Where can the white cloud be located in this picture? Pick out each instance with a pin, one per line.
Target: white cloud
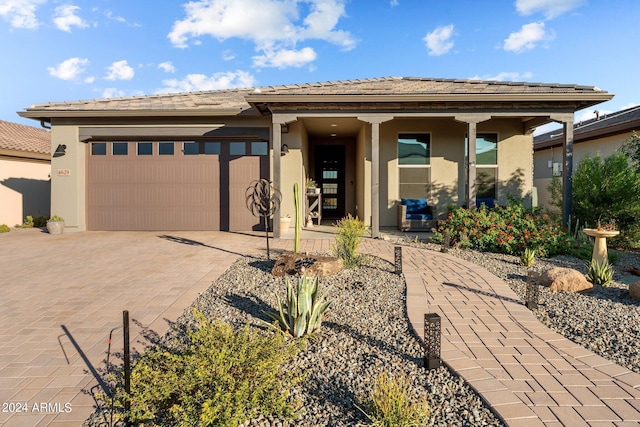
(394, 3)
(112, 92)
(69, 69)
(167, 67)
(89, 79)
(439, 40)
(217, 81)
(21, 13)
(550, 8)
(505, 76)
(109, 14)
(120, 70)
(65, 18)
(273, 25)
(527, 38)
(228, 55)
(285, 58)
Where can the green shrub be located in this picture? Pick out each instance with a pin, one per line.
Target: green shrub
(40, 221)
(28, 222)
(608, 189)
(56, 218)
(302, 313)
(217, 378)
(600, 273)
(389, 404)
(4, 228)
(507, 230)
(348, 238)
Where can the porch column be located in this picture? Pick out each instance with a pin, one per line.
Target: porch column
(375, 170)
(472, 126)
(567, 165)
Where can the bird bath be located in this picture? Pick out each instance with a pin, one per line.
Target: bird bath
(600, 245)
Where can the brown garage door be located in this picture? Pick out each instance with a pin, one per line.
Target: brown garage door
(167, 185)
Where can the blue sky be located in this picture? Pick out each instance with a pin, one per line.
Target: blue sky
(58, 50)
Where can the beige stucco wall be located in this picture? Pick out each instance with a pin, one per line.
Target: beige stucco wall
(543, 173)
(363, 174)
(24, 189)
(448, 173)
(293, 167)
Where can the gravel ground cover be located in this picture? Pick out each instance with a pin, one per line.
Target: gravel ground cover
(365, 331)
(605, 321)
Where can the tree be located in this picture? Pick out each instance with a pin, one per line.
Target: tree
(608, 189)
(631, 147)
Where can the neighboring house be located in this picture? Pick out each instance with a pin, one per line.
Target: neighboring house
(25, 168)
(604, 134)
(183, 161)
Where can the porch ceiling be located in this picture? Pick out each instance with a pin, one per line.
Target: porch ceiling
(339, 127)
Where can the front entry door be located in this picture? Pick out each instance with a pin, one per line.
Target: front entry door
(330, 177)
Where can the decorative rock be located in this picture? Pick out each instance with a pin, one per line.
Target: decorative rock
(634, 290)
(565, 279)
(290, 263)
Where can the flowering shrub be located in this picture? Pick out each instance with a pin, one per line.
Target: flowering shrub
(508, 230)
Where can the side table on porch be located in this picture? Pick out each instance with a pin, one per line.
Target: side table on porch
(314, 206)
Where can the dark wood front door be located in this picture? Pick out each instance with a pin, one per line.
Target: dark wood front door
(330, 160)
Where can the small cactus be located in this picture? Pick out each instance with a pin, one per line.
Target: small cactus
(600, 273)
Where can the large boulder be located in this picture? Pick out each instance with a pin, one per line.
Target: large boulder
(291, 263)
(565, 279)
(634, 290)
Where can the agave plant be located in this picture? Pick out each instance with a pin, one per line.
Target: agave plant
(600, 273)
(302, 312)
(528, 257)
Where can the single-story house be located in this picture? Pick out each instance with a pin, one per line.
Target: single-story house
(25, 168)
(183, 161)
(603, 134)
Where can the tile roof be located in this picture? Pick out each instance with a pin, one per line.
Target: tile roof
(623, 120)
(14, 136)
(235, 99)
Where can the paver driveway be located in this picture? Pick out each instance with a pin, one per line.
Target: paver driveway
(60, 296)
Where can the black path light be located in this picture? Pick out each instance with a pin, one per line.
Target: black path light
(533, 290)
(263, 200)
(397, 252)
(432, 340)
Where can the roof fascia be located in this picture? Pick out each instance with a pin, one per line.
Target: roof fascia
(48, 114)
(595, 97)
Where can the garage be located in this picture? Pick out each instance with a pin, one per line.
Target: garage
(172, 185)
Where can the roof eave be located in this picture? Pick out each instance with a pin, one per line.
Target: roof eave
(46, 115)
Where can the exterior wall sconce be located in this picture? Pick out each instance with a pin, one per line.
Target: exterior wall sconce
(284, 149)
(432, 340)
(397, 252)
(60, 150)
(532, 291)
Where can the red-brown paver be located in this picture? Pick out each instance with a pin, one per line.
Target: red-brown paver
(60, 296)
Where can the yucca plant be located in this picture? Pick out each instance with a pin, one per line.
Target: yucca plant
(389, 404)
(600, 273)
(302, 312)
(528, 257)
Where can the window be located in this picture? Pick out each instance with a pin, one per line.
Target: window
(165, 148)
(145, 148)
(237, 148)
(486, 165)
(208, 148)
(212, 148)
(98, 148)
(259, 148)
(120, 148)
(414, 170)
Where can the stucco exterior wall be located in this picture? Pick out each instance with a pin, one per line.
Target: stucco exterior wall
(68, 173)
(448, 169)
(293, 167)
(25, 189)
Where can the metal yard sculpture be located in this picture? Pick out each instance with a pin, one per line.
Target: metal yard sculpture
(263, 200)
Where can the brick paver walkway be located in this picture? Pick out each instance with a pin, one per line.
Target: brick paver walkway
(60, 296)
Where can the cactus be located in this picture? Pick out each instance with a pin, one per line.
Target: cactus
(302, 312)
(297, 224)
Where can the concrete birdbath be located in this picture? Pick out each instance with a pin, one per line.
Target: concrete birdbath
(600, 245)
